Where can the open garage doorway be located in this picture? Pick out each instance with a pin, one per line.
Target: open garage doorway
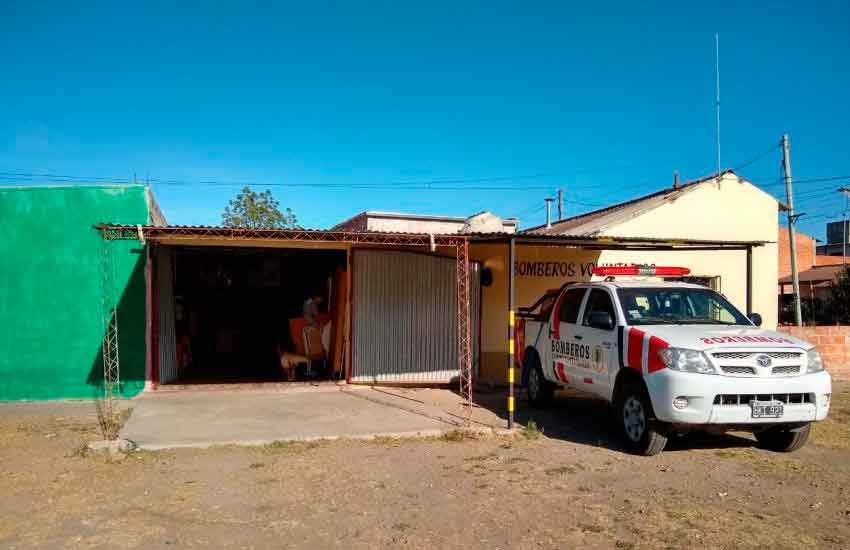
(228, 315)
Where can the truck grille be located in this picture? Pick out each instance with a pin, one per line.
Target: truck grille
(749, 354)
(748, 363)
(732, 355)
(786, 370)
(729, 369)
(735, 399)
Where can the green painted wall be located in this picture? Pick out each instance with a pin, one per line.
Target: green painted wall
(50, 290)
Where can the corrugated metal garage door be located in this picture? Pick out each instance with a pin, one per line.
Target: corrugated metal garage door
(165, 308)
(405, 326)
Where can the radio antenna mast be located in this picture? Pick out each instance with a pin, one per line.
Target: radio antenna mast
(717, 96)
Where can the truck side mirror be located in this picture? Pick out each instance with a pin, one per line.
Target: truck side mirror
(601, 320)
(756, 319)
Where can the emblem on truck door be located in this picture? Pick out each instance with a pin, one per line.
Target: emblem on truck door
(763, 361)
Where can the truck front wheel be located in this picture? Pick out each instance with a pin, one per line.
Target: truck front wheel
(638, 428)
(784, 440)
(540, 390)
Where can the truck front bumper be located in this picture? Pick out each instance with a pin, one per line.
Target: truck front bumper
(711, 399)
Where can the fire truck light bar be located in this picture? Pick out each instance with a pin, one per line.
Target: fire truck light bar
(613, 271)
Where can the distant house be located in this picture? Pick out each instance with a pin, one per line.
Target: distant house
(396, 222)
(837, 239)
(814, 281)
(808, 258)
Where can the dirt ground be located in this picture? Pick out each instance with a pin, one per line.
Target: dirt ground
(568, 488)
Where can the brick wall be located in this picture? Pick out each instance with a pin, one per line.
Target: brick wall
(831, 260)
(833, 343)
(805, 252)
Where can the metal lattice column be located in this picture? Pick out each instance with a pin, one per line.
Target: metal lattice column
(111, 363)
(464, 331)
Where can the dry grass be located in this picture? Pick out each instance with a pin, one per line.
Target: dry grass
(440, 492)
(687, 524)
(834, 432)
(768, 462)
(564, 470)
(292, 447)
(531, 430)
(456, 436)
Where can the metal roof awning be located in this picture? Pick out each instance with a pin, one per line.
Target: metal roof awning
(177, 233)
(605, 242)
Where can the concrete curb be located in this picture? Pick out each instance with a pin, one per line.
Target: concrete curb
(419, 434)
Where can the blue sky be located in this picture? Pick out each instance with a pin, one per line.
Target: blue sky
(356, 103)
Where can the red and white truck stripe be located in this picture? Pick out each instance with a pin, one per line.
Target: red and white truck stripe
(639, 350)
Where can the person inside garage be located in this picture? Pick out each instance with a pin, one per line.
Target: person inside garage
(311, 308)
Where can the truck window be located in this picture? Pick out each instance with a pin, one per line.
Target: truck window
(570, 305)
(678, 306)
(599, 300)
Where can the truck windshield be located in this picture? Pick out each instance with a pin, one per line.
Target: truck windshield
(678, 306)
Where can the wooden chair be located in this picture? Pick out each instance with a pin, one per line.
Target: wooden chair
(313, 349)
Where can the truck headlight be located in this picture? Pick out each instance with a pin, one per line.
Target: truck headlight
(686, 360)
(813, 361)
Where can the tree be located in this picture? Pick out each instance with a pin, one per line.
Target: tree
(839, 297)
(257, 210)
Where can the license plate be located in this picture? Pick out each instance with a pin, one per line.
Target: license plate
(766, 409)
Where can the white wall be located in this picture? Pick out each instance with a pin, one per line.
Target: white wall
(734, 211)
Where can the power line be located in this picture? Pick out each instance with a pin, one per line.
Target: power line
(437, 184)
(532, 209)
(756, 158)
(444, 184)
(774, 183)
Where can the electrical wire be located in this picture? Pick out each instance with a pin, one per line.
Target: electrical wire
(757, 157)
(444, 184)
(434, 185)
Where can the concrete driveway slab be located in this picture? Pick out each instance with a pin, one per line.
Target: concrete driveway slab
(202, 419)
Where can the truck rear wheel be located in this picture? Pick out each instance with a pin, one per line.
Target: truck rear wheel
(784, 440)
(638, 428)
(540, 390)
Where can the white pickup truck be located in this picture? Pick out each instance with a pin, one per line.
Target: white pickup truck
(671, 357)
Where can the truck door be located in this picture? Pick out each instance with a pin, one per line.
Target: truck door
(562, 335)
(598, 332)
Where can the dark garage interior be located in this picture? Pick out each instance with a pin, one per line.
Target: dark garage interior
(239, 314)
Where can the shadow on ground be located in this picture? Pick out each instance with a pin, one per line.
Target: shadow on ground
(577, 418)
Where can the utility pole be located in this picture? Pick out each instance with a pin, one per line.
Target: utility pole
(548, 212)
(560, 204)
(792, 219)
(846, 192)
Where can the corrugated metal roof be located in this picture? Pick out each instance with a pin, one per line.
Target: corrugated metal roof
(202, 228)
(818, 273)
(174, 233)
(331, 235)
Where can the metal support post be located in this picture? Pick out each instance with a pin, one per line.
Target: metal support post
(109, 345)
(511, 333)
(464, 332)
(749, 281)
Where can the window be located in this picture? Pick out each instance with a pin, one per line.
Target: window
(678, 306)
(570, 305)
(599, 300)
